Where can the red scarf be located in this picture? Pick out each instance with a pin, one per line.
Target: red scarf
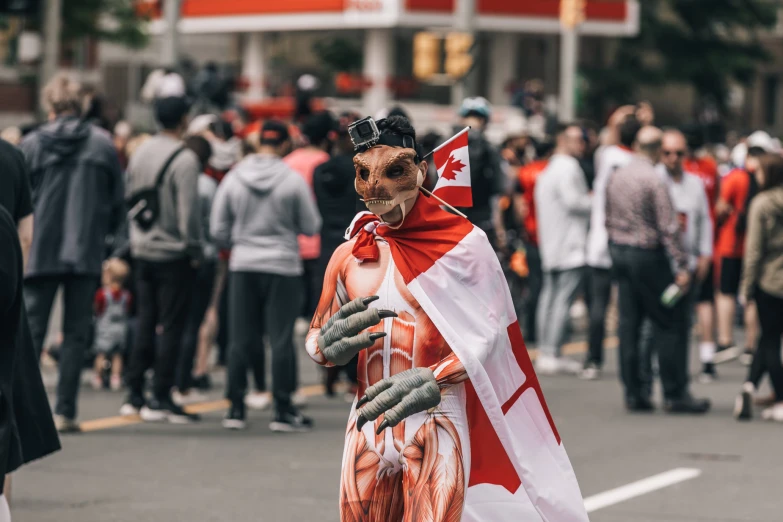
(427, 233)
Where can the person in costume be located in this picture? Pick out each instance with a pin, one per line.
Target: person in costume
(449, 423)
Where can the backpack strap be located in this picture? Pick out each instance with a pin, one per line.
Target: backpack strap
(162, 172)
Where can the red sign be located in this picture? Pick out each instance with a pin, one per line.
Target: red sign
(611, 10)
(252, 7)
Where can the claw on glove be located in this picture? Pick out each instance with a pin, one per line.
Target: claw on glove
(398, 397)
(344, 335)
(367, 300)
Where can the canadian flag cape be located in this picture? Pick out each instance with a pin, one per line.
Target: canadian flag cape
(519, 470)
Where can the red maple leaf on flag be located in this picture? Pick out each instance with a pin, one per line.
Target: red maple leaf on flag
(453, 165)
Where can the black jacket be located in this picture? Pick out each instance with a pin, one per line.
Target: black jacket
(14, 186)
(27, 430)
(77, 189)
(333, 183)
(487, 178)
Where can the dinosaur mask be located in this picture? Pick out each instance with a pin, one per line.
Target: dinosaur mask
(388, 180)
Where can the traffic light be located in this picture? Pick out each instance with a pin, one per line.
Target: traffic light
(426, 55)
(458, 58)
(572, 12)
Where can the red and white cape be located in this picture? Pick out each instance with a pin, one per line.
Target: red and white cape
(519, 469)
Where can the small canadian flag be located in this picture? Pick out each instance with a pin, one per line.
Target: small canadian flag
(453, 166)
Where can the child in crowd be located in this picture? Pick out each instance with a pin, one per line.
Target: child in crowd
(112, 305)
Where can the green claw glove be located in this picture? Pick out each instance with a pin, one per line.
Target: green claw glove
(340, 339)
(398, 397)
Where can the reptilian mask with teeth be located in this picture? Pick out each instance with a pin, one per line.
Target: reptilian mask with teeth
(387, 177)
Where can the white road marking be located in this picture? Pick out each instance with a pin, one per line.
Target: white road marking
(639, 488)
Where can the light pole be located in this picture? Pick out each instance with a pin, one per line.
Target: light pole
(572, 14)
(169, 55)
(569, 49)
(51, 36)
(464, 19)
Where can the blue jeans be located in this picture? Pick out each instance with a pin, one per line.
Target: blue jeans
(78, 293)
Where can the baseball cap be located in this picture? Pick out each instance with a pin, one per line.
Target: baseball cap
(273, 132)
(478, 105)
(762, 140)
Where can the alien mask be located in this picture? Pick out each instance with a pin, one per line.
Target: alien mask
(388, 181)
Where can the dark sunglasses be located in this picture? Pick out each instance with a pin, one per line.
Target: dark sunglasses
(679, 153)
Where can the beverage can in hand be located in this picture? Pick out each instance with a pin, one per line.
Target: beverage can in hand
(671, 296)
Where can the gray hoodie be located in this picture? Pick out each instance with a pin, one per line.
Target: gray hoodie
(177, 232)
(259, 208)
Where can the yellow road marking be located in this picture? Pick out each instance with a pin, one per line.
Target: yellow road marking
(119, 421)
(109, 422)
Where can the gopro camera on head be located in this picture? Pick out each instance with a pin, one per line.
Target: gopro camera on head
(364, 134)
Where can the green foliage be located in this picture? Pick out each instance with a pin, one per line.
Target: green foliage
(339, 54)
(704, 43)
(110, 20)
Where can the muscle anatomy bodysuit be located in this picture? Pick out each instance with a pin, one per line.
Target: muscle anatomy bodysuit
(422, 455)
(441, 431)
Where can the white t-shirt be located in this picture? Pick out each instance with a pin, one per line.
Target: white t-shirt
(689, 200)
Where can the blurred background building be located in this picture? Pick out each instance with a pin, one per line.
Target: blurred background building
(366, 53)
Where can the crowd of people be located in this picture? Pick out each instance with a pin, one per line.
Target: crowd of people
(216, 231)
(678, 228)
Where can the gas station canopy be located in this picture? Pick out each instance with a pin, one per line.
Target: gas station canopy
(603, 17)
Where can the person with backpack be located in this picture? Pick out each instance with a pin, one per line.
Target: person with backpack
(76, 183)
(165, 243)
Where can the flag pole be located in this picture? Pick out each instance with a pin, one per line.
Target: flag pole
(444, 143)
(431, 195)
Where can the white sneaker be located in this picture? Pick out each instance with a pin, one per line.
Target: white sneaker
(193, 396)
(591, 373)
(66, 425)
(547, 365)
(258, 400)
(729, 354)
(578, 309)
(128, 409)
(97, 381)
(148, 414)
(773, 413)
(299, 400)
(569, 366)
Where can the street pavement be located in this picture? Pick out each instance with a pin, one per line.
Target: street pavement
(714, 468)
